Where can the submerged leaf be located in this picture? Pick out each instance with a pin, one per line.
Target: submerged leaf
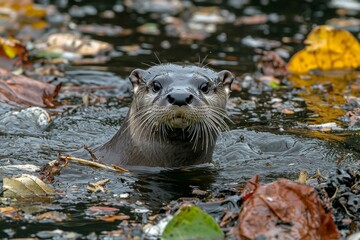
(190, 222)
(327, 48)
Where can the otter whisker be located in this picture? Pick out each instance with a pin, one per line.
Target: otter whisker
(213, 128)
(157, 58)
(147, 117)
(218, 121)
(203, 61)
(160, 63)
(146, 64)
(154, 63)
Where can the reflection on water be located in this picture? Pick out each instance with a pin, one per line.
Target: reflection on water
(325, 95)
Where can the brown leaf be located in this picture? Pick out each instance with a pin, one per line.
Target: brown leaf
(252, 20)
(50, 169)
(53, 216)
(113, 218)
(10, 212)
(100, 209)
(287, 111)
(272, 64)
(26, 91)
(285, 210)
(250, 188)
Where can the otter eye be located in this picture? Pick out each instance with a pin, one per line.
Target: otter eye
(205, 87)
(156, 86)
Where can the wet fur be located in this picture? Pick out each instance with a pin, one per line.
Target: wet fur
(146, 138)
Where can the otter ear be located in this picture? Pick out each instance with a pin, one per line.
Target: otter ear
(136, 78)
(226, 78)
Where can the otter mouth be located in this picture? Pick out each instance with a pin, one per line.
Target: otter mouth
(179, 120)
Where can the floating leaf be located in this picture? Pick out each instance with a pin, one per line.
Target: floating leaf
(190, 222)
(26, 186)
(327, 48)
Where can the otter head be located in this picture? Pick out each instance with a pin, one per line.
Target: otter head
(173, 101)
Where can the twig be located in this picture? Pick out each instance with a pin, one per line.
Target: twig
(119, 168)
(93, 156)
(90, 163)
(346, 210)
(333, 196)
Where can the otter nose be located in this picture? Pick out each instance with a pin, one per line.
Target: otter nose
(180, 98)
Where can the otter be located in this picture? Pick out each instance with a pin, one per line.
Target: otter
(174, 119)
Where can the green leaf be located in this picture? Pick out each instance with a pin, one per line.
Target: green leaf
(47, 54)
(274, 85)
(190, 222)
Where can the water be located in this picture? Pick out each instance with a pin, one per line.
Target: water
(261, 142)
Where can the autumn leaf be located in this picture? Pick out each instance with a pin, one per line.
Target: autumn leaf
(113, 218)
(22, 13)
(327, 48)
(102, 210)
(13, 53)
(52, 216)
(25, 185)
(10, 212)
(26, 91)
(290, 211)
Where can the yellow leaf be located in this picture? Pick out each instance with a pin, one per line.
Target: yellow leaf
(327, 48)
(9, 51)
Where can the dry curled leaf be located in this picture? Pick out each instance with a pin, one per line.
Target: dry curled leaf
(327, 48)
(285, 210)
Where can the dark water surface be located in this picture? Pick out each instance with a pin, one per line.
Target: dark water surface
(261, 141)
